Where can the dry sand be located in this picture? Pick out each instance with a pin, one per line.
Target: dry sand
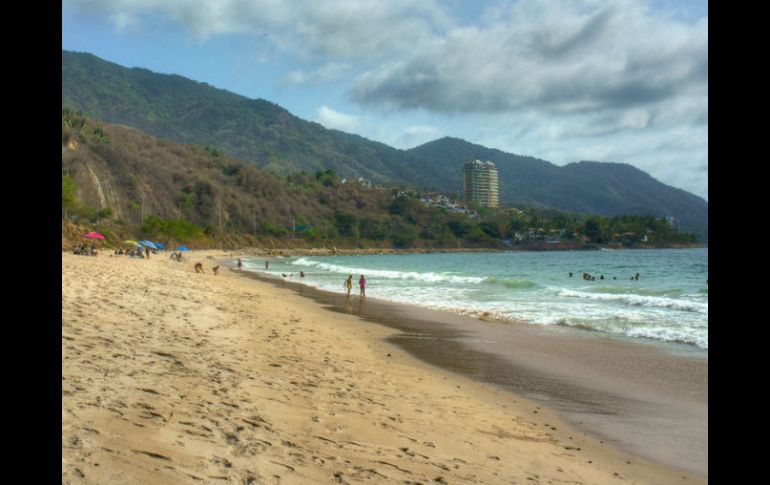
(170, 377)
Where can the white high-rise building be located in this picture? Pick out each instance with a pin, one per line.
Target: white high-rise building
(480, 183)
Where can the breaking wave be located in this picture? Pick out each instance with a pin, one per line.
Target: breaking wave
(388, 274)
(640, 300)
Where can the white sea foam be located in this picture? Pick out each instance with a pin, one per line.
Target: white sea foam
(388, 274)
(629, 328)
(669, 305)
(670, 335)
(639, 300)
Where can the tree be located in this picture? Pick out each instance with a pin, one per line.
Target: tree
(594, 229)
(492, 228)
(68, 197)
(171, 229)
(347, 224)
(404, 206)
(403, 234)
(375, 227)
(460, 228)
(327, 178)
(516, 225)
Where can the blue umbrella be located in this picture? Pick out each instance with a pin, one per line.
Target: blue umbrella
(149, 244)
(181, 248)
(159, 245)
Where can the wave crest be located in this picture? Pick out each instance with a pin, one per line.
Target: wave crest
(388, 274)
(640, 300)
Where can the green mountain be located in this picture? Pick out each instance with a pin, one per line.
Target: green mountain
(608, 189)
(254, 130)
(268, 136)
(129, 184)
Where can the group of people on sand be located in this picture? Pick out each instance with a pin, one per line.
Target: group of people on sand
(143, 253)
(199, 268)
(361, 285)
(589, 277)
(84, 250)
(348, 284)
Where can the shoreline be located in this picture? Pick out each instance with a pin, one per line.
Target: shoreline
(598, 398)
(334, 251)
(173, 377)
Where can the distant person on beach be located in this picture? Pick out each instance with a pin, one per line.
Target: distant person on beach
(240, 264)
(301, 274)
(349, 284)
(266, 264)
(147, 253)
(362, 286)
(570, 274)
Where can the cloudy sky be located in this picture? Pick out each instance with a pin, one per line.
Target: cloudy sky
(602, 80)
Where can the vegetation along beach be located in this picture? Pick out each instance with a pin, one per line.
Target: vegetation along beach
(370, 242)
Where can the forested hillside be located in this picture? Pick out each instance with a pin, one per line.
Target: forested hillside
(267, 136)
(127, 185)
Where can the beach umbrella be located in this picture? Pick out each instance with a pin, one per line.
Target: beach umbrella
(131, 242)
(160, 246)
(149, 244)
(94, 235)
(181, 248)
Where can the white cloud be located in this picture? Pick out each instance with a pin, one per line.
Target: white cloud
(309, 28)
(610, 80)
(556, 56)
(326, 73)
(332, 119)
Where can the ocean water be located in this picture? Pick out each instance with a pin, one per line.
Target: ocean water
(668, 303)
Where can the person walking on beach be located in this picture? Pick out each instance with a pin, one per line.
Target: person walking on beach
(349, 284)
(240, 264)
(362, 286)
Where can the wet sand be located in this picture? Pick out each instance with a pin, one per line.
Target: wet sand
(647, 401)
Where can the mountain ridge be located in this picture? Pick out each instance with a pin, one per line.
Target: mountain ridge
(261, 132)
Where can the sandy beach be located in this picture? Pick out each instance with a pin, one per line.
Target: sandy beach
(171, 377)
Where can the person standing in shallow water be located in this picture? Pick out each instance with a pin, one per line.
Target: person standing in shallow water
(362, 286)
